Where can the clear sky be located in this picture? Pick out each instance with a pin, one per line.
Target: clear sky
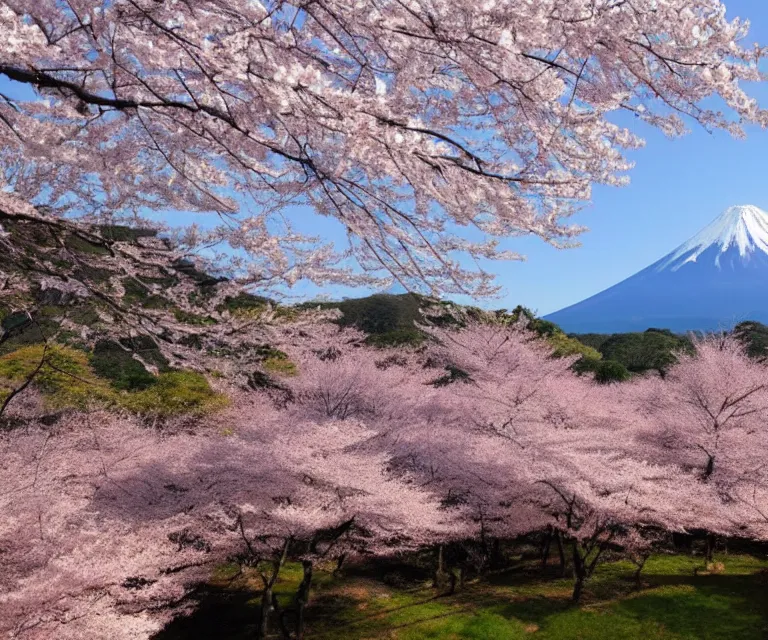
(677, 187)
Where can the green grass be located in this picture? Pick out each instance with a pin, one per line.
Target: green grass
(673, 604)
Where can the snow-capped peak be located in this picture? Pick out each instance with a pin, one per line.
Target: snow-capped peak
(743, 227)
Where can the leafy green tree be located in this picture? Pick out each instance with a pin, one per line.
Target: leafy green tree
(605, 371)
(652, 350)
(754, 336)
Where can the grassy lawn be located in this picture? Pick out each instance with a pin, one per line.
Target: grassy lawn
(673, 604)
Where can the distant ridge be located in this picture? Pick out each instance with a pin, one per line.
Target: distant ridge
(714, 280)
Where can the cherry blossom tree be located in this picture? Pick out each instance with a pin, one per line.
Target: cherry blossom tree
(525, 446)
(708, 416)
(709, 413)
(108, 526)
(403, 121)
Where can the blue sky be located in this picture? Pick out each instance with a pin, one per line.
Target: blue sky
(677, 187)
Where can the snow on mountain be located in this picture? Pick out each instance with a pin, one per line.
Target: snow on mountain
(714, 280)
(743, 227)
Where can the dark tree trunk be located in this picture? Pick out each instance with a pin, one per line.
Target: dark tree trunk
(302, 598)
(585, 559)
(265, 611)
(546, 548)
(579, 572)
(640, 563)
(681, 541)
(451, 583)
(440, 570)
(267, 601)
(496, 559)
(561, 553)
(280, 618)
(339, 564)
(710, 548)
(578, 589)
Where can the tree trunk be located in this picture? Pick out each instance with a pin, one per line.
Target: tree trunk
(281, 618)
(640, 565)
(710, 548)
(451, 583)
(302, 598)
(483, 547)
(339, 564)
(266, 609)
(578, 588)
(546, 548)
(561, 553)
(267, 601)
(579, 572)
(440, 570)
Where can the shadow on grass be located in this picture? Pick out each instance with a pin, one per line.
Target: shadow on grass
(703, 608)
(226, 613)
(508, 605)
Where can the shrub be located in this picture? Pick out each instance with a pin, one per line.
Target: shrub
(174, 393)
(564, 346)
(639, 352)
(280, 366)
(111, 361)
(396, 338)
(66, 379)
(605, 371)
(754, 336)
(381, 313)
(611, 371)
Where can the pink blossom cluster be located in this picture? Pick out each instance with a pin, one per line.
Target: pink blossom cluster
(402, 121)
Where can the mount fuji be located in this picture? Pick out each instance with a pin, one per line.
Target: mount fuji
(714, 280)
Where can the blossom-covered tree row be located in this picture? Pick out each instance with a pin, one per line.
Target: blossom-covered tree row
(108, 525)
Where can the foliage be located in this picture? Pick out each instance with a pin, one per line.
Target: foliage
(279, 365)
(70, 379)
(605, 371)
(377, 460)
(396, 338)
(198, 116)
(651, 350)
(116, 363)
(174, 393)
(245, 304)
(754, 335)
(65, 378)
(565, 346)
(608, 371)
(381, 313)
(594, 340)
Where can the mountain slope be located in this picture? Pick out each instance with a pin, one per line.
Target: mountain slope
(713, 281)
